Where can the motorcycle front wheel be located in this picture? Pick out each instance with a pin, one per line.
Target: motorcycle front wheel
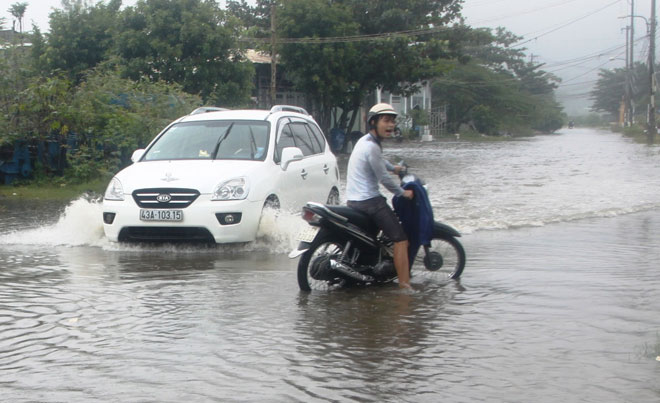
(445, 260)
(313, 267)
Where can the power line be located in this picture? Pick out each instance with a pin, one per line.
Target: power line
(586, 72)
(587, 57)
(354, 38)
(530, 11)
(566, 24)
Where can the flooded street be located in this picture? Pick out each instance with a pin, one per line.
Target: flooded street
(559, 300)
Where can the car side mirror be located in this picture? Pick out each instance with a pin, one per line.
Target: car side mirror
(289, 155)
(137, 154)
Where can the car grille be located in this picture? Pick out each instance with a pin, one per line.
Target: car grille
(165, 234)
(169, 197)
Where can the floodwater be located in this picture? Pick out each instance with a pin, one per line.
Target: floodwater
(559, 301)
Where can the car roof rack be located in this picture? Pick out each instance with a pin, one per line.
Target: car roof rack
(205, 109)
(288, 108)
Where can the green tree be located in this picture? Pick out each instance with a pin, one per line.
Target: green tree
(494, 89)
(113, 116)
(41, 116)
(37, 61)
(15, 75)
(341, 73)
(481, 97)
(189, 42)
(17, 10)
(80, 37)
(610, 89)
(255, 19)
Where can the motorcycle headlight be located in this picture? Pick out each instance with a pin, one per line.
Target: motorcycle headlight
(234, 189)
(115, 190)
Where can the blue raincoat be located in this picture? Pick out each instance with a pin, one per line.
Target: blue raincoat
(416, 217)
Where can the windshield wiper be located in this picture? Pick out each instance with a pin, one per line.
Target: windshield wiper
(220, 140)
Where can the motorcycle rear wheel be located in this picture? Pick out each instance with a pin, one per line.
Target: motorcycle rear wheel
(452, 262)
(322, 246)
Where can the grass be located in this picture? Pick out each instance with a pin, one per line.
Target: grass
(637, 133)
(34, 191)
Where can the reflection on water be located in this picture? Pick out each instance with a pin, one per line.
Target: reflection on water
(561, 312)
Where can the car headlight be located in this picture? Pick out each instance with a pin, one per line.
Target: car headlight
(115, 190)
(234, 189)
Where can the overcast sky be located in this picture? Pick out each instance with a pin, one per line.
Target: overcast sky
(573, 37)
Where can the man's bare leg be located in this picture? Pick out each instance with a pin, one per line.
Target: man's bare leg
(401, 263)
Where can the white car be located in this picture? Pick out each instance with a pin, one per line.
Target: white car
(209, 175)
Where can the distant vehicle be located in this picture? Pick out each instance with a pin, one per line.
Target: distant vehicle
(209, 175)
(571, 124)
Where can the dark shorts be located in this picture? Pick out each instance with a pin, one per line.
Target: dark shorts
(383, 215)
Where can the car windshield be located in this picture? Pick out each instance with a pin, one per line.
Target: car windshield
(223, 140)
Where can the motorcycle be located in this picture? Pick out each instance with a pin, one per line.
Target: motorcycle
(343, 247)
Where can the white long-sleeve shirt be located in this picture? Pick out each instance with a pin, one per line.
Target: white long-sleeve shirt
(366, 169)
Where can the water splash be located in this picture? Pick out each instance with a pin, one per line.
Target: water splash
(80, 225)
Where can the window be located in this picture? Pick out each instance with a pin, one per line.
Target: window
(318, 136)
(222, 139)
(303, 138)
(284, 140)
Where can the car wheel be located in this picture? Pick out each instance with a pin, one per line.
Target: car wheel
(272, 202)
(333, 197)
(268, 219)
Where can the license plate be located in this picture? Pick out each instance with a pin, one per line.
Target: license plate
(308, 234)
(161, 215)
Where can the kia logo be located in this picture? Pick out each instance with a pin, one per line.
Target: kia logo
(163, 198)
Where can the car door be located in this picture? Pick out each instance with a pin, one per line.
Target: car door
(329, 161)
(320, 169)
(293, 187)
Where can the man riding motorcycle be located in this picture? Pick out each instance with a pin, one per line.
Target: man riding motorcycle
(366, 169)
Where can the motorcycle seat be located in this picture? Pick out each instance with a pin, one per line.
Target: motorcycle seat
(356, 217)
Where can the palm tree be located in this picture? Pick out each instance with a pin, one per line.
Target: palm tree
(18, 11)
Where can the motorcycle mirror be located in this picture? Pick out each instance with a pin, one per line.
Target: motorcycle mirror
(404, 169)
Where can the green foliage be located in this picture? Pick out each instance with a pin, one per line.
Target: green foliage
(548, 116)
(114, 116)
(107, 80)
(189, 42)
(341, 74)
(420, 117)
(495, 90)
(81, 36)
(12, 82)
(612, 85)
(328, 73)
(485, 119)
(17, 10)
(108, 117)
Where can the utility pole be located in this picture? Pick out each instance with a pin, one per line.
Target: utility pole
(651, 113)
(631, 101)
(626, 84)
(632, 30)
(273, 55)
